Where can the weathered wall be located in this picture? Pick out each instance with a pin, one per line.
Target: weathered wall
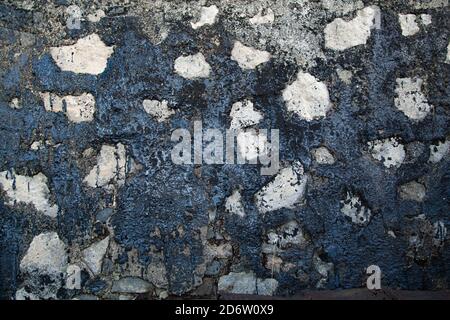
(359, 92)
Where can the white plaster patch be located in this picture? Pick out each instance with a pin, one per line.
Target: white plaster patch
(233, 204)
(248, 57)
(93, 255)
(307, 97)
(389, 151)
(439, 151)
(88, 55)
(192, 67)
(111, 167)
(158, 109)
(285, 191)
(77, 108)
(323, 156)
(207, 16)
(353, 208)
(412, 191)
(243, 115)
(408, 24)
(30, 190)
(46, 255)
(410, 99)
(263, 18)
(341, 35)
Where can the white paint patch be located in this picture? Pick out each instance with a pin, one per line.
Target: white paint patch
(30, 190)
(307, 97)
(233, 204)
(353, 208)
(252, 145)
(323, 156)
(158, 109)
(207, 16)
(263, 17)
(192, 67)
(439, 151)
(248, 57)
(88, 55)
(111, 167)
(243, 115)
(410, 100)
(46, 255)
(77, 108)
(389, 151)
(341, 35)
(285, 191)
(413, 191)
(408, 24)
(93, 255)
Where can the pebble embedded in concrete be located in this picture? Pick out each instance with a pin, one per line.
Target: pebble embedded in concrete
(341, 35)
(80, 108)
(207, 17)
(192, 67)
(410, 100)
(233, 204)
(353, 208)
(323, 156)
(29, 190)
(263, 17)
(285, 191)
(413, 191)
(158, 109)
(131, 285)
(388, 151)
(111, 167)
(307, 97)
(46, 255)
(88, 55)
(93, 255)
(246, 283)
(439, 150)
(247, 57)
(243, 115)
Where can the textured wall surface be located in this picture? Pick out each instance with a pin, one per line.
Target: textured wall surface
(92, 205)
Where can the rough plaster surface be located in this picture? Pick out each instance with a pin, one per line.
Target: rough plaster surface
(360, 96)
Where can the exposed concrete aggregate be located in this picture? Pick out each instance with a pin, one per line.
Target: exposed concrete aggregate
(92, 206)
